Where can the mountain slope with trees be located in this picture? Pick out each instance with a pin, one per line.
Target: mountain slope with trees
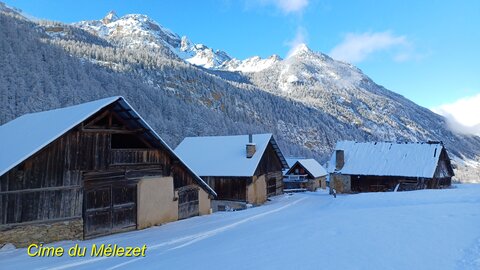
(308, 100)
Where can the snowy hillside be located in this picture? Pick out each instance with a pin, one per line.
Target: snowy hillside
(426, 229)
(308, 100)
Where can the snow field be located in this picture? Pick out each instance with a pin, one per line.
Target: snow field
(427, 229)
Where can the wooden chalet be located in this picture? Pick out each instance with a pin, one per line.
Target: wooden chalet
(385, 166)
(305, 174)
(87, 170)
(241, 169)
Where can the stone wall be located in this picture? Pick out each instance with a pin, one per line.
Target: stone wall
(313, 184)
(323, 182)
(341, 183)
(24, 235)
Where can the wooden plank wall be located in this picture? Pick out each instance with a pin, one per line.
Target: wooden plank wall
(229, 188)
(269, 162)
(49, 185)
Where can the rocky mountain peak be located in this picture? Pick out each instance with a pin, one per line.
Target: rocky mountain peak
(275, 58)
(110, 17)
(299, 50)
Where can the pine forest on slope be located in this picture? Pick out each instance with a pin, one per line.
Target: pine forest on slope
(308, 100)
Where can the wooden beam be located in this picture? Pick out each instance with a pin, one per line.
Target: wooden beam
(122, 110)
(40, 189)
(97, 118)
(115, 130)
(115, 113)
(110, 120)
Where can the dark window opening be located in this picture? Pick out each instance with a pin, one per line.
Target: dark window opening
(116, 122)
(126, 141)
(103, 122)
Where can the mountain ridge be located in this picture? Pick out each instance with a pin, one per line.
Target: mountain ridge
(308, 100)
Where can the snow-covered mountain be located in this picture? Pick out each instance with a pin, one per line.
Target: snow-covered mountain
(139, 31)
(308, 100)
(252, 64)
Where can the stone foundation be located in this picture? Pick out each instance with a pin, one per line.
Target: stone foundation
(341, 183)
(221, 205)
(24, 235)
(313, 184)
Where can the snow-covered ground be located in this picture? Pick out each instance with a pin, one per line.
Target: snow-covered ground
(428, 229)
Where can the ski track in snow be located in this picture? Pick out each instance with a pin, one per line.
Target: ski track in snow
(182, 241)
(383, 230)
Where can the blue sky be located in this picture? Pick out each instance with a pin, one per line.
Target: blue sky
(425, 50)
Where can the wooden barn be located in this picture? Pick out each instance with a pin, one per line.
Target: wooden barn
(241, 169)
(305, 174)
(386, 166)
(87, 170)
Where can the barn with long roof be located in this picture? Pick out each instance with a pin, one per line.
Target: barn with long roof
(88, 170)
(389, 166)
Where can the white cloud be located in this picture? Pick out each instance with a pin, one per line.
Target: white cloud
(300, 38)
(463, 115)
(286, 6)
(357, 47)
(289, 6)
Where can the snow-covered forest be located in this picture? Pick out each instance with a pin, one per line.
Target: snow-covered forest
(308, 101)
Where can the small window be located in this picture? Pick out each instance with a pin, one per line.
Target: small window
(126, 141)
(297, 171)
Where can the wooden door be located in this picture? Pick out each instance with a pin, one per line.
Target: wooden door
(188, 202)
(109, 208)
(271, 187)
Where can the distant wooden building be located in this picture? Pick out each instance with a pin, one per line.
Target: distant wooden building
(241, 169)
(385, 166)
(305, 174)
(89, 170)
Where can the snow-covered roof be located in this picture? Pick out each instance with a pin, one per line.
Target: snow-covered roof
(225, 155)
(388, 159)
(291, 161)
(312, 166)
(29, 133)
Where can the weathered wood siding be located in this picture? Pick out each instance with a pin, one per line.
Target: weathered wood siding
(274, 183)
(362, 183)
(271, 166)
(235, 188)
(49, 185)
(269, 162)
(229, 188)
(181, 177)
(135, 156)
(301, 171)
(188, 202)
(442, 178)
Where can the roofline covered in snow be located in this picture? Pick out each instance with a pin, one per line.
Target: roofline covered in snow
(252, 168)
(300, 163)
(332, 170)
(127, 109)
(53, 138)
(170, 150)
(279, 153)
